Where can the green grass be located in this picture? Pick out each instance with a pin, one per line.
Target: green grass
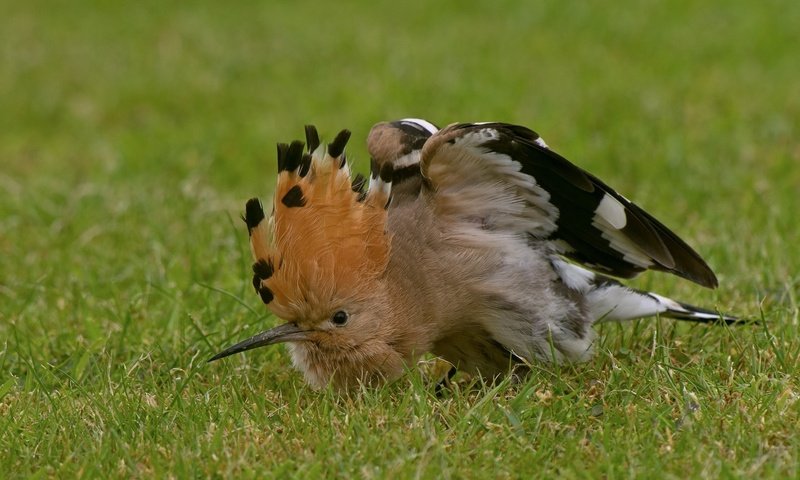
(132, 133)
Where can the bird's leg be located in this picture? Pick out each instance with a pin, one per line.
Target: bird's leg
(445, 382)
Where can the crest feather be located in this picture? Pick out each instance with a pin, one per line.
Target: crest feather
(325, 239)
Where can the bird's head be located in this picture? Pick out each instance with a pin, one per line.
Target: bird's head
(321, 259)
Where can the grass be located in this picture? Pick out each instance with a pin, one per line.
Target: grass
(132, 133)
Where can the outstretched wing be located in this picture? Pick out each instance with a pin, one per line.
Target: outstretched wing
(507, 178)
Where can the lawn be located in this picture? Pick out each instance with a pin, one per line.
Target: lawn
(132, 133)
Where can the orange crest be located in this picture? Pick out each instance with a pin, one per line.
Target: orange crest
(325, 240)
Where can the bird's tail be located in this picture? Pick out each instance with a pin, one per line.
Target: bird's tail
(607, 300)
(692, 313)
(612, 301)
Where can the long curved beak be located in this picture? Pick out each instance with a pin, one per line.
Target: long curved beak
(288, 332)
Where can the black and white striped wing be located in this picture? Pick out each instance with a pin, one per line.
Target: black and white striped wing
(507, 178)
(394, 149)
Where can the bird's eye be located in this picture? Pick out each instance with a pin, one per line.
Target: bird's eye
(340, 318)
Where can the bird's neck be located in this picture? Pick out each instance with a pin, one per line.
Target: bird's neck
(413, 289)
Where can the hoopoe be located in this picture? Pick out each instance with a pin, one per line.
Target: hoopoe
(466, 244)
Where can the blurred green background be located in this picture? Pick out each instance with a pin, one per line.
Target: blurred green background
(132, 133)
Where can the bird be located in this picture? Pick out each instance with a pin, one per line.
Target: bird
(476, 243)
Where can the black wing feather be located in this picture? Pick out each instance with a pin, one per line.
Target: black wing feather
(577, 195)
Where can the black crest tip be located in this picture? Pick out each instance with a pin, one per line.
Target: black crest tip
(293, 156)
(253, 213)
(305, 165)
(336, 147)
(358, 183)
(294, 197)
(282, 148)
(266, 294)
(263, 268)
(312, 137)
